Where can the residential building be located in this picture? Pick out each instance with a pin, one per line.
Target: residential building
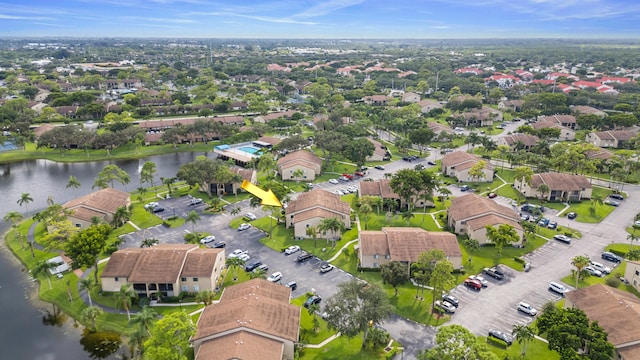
(411, 97)
(458, 163)
(616, 311)
(632, 273)
(167, 269)
(438, 128)
(311, 207)
(427, 105)
(252, 319)
(221, 189)
(519, 141)
(587, 110)
(478, 118)
(382, 189)
(562, 187)
(470, 214)
(101, 204)
(566, 134)
(512, 105)
(617, 139)
(272, 116)
(568, 121)
(405, 244)
(300, 165)
(377, 100)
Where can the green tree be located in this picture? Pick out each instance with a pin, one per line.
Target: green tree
(149, 242)
(193, 217)
(73, 183)
(206, 297)
(543, 189)
(523, 175)
(505, 234)
(442, 278)
(144, 319)
(124, 298)
(365, 209)
(356, 307)
(580, 262)
(147, 173)
(358, 150)
(203, 171)
(312, 232)
(42, 268)
(14, 217)
(455, 342)
(108, 175)
(100, 344)
(169, 338)
(234, 264)
(121, 216)
(91, 314)
(85, 247)
(332, 226)
(87, 284)
(394, 273)
(25, 199)
(408, 183)
(477, 170)
(524, 335)
(421, 137)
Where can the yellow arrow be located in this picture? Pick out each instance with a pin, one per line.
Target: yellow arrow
(268, 197)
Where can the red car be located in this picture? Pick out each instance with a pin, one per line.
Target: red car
(348, 176)
(474, 284)
(492, 195)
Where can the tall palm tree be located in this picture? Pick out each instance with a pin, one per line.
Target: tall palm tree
(73, 183)
(298, 174)
(87, 284)
(331, 225)
(149, 242)
(365, 209)
(235, 263)
(124, 298)
(144, 319)
(42, 268)
(632, 237)
(25, 199)
(14, 217)
(206, 297)
(121, 216)
(312, 232)
(580, 262)
(193, 217)
(258, 273)
(91, 314)
(524, 334)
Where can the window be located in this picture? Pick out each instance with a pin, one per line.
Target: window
(375, 265)
(196, 288)
(116, 278)
(195, 279)
(78, 225)
(184, 288)
(387, 256)
(637, 273)
(183, 279)
(375, 256)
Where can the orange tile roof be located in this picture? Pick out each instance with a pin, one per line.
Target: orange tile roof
(318, 198)
(560, 181)
(472, 205)
(407, 243)
(378, 188)
(105, 201)
(493, 220)
(240, 345)
(300, 155)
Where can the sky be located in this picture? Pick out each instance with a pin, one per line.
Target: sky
(328, 19)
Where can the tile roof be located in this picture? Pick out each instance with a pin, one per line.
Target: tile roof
(407, 243)
(525, 139)
(492, 220)
(318, 198)
(472, 205)
(559, 119)
(462, 160)
(300, 155)
(240, 345)
(378, 188)
(560, 181)
(314, 213)
(620, 135)
(616, 311)
(106, 201)
(258, 305)
(542, 124)
(200, 262)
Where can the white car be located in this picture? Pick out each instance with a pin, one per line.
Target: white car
(250, 216)
(338, 192)
(600, 267)
(207, 239)
(482, 280)
(445, 306)
(275, 277)
(292, 249)
(151, 205)
(557, 288)
(527, 309)
(593, 271)
(195, 201)
(333, 181)
(236, 253)
(244, 257)
(244, 226)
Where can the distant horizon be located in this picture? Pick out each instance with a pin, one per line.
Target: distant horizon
(322, 19)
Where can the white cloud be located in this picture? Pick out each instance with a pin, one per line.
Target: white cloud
(255, 17)
(17, 17)
(327, 7)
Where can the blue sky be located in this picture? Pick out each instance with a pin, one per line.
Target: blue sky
(357, 19)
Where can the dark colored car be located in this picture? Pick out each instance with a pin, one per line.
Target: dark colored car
(315, 299)
(611, 203)
(219, 245)
(496, 334)
(252, 265)
(305, 256)
(431, 163)
(158, 209)
(451, 299)
(494, 273)
(292, 284)
(616, 196)
(474, 284)
(609, 256)
(572, 215)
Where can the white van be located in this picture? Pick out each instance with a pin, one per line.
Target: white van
(557, 288)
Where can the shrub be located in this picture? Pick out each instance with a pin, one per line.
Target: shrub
(519, 260)
(497, 342)
(613, 282)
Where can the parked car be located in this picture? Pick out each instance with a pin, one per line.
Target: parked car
(543, 222)
(557, 288)
(333, 181)
(195, 201)
(207, 239)
(601, 267)
(338, 192)
(292, 284)
(275, 277)
(593, 271)
(611, 203)
(527, 309)
(150, 205)
(219, 245)
(494, 272)
(263, 267)
(236, 253)
(157, 209)
(305, 256)
(244, 226)
(524, 217)
(492, 195)
(563, 238)
(480, 279)
(474, 284)
(431, 163)
(292, 249)
(609, 256)
(379, 167)
(250, 216)
(616, 197)
(314, 299)
(244, 257)
(252, 265)
(451, 299)
(326, 268)
(572, 215)
(552, 225)
(496, 334)
(445, 306)
(464, 188)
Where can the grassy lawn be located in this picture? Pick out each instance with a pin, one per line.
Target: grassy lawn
(307, 334)
(536, 349)
(486, 256)
(343, 348)
(585, 211)
(585, 281)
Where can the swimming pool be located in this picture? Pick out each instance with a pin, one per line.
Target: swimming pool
(250, 150)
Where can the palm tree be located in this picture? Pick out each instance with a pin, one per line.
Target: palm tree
(632, 237)
(144, 319)
(258, 273)
(73, 183)
(87, 284)
(377, 202)
(313, 310)
(121, 216)
(14, 217)
(298, 174)
(524, 334)
(25, 199)
(407, 215)
(543, 189)
(91, 314)
(42, 268)
(193, 217)
(235, 211)
(205, 296)
(580, 262)
(235, 263)
(124, 298)
(365, 209)
(312, 232)
(149, 242)
(331, 225)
